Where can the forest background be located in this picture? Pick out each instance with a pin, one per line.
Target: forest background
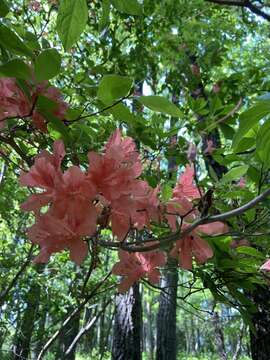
(188, 81)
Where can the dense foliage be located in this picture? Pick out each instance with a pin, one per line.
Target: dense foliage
(132, 133)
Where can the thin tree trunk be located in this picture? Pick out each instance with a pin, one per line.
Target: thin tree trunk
(21, 349)
(166, 318)
(219, 337)
(127, 326)
(66, 338)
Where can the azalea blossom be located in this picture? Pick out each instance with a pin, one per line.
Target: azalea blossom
(54, 235)
(266, 266)
(15, 103)
(45, 174)
(185, 186)
(134, 266)
(193, 245)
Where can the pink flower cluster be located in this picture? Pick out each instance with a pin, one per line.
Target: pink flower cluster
(181, 206)
(74, 204)
(15, 103)
(75, 199)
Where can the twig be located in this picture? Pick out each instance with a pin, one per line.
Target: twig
(87, 327)
(243, 4)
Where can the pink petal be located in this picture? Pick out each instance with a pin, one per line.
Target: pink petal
(266, 266)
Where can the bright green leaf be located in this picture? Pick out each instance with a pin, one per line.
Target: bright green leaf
(71, 21)
(16, 68)
(160, 104)
(235, 173)
(48, 64)
(113, 87)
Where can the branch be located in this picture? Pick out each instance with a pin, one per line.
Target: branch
(102, 110)
(14, 281)
(70, 317)
(86, 328)
(11, 142)
(244, 4)
(132, 247)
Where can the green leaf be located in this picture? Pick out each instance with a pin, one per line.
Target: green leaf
(47, 65)
(235, 173)
(16, 68)
(104, 21)
(131, 7)
(71, 21)
(250, 118)
(113, 87)
(166, 192)
(56, 124)
(263, 143)
(10, 41)
(247, 250)
(4, 9)
(160, 104)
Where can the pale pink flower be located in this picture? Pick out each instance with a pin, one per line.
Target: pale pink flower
(54, 235)
(242, 182)
(193, 245)
(135, 266)
(45, 174)
(266, 266)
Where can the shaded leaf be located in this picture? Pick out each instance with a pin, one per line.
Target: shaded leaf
(160, 104)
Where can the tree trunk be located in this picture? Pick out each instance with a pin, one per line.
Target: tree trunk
(166, 318)
(219, 337)
(127, 326)
(23, 337)
(260, 339)
(67, 336)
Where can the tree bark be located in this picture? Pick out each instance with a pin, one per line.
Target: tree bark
(127, 326)
(219, 337)
(260, 339)
(166, 318)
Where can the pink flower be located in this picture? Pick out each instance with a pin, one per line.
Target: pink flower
(74, 195)
(54, 235)
(45, 174)
(242, 182)
(53, 94)
(134, 266)
(13, 101)
(193, 245)
(113, 172)
(185, 186)
(266, 266)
